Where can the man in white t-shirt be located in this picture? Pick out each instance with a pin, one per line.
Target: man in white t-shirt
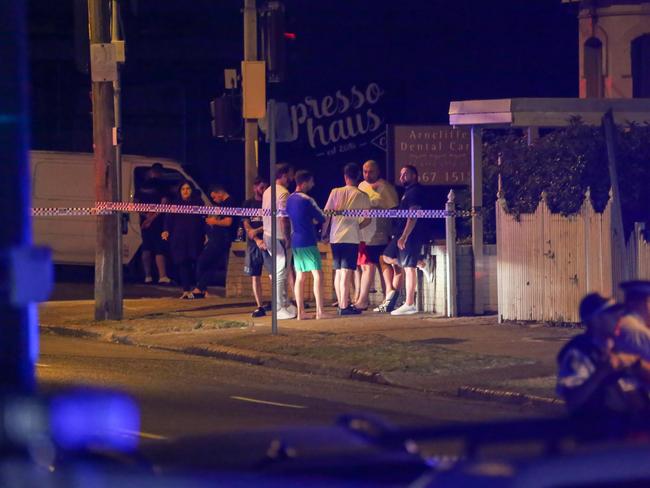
(345, 235)
(375, 236)
(283, 178)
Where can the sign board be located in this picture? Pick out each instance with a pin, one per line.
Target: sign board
(441, 154)
(253, 89)
(326, 126)
(103, 62)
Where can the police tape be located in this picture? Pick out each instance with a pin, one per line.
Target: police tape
(107, 208)
(68, 211)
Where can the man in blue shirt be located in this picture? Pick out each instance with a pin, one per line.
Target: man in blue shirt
(304, 213)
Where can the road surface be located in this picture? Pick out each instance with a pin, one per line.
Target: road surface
(182, 395)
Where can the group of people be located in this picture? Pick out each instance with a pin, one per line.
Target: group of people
(605, 372)
(360, 245)
(195, 243)
(357, 243)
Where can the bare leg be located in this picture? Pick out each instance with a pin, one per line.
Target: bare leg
(299, 295)
(347, 276)
(337, 285)
(398, 277)
(291, 277)
(257, 290)
(367, 278)
(318, 292)
(388, 274)
(160, 264)
(411, 282)
(146, 263)
(357, 284)
(382, 265)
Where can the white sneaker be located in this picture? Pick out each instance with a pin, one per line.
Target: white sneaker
(388, 305)
(285, 313)
(164, 280)
(405, 310)
(148, 279)
(292, 309)
(381, 308)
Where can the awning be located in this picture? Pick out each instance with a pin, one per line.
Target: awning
(546, 112)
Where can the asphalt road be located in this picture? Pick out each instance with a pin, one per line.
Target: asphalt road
(183, 395)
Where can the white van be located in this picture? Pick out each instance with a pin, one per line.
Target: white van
(66, 179)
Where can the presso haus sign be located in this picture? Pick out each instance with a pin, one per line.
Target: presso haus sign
(441, 153)
(338, 122)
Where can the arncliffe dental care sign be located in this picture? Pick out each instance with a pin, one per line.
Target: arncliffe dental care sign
(441, 154)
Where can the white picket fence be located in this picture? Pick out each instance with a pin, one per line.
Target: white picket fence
(546, 262)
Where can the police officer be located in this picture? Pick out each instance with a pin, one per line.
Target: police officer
(637, 299)
(593, 379)
(633, 330)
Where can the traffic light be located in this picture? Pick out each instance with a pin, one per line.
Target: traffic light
(274, 41)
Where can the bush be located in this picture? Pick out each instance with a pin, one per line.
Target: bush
(564, 163)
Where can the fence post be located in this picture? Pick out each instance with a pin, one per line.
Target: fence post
(499, 208)
(450, 225)
(639, 230)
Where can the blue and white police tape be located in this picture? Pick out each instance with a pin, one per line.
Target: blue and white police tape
(68, 211)
(106, 208)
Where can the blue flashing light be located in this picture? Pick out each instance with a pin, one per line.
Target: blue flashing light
(87, 418)
(32, 317)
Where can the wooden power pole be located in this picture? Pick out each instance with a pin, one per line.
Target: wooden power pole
(108, 259)
(250, 125)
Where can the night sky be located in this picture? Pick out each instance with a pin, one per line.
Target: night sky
(422, 53)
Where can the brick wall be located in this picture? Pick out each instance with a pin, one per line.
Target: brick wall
(432, 297)
(239, 285)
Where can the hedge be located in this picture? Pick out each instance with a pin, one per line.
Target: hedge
(564, 163)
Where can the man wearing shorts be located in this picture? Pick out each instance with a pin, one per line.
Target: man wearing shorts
(255, 248)
(405, 249)
(375, 236)
(304, 213)
(344, 234)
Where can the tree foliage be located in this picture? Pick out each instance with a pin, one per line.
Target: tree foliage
(564, 163)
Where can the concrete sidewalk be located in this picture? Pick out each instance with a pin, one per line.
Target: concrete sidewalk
(473, 356)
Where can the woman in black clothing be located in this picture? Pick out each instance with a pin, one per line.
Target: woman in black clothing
(185, 235)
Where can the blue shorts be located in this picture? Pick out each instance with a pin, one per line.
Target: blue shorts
(407, 257)
(345, 255)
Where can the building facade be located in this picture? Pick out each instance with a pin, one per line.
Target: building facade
(614, 40)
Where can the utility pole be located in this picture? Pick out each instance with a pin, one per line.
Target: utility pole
(250, 125)
(619, 250)
(116, 39)
(274, 220)
(477, 218)
(108, 259)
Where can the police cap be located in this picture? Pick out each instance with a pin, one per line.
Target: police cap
(595, 304)
(636, 287)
